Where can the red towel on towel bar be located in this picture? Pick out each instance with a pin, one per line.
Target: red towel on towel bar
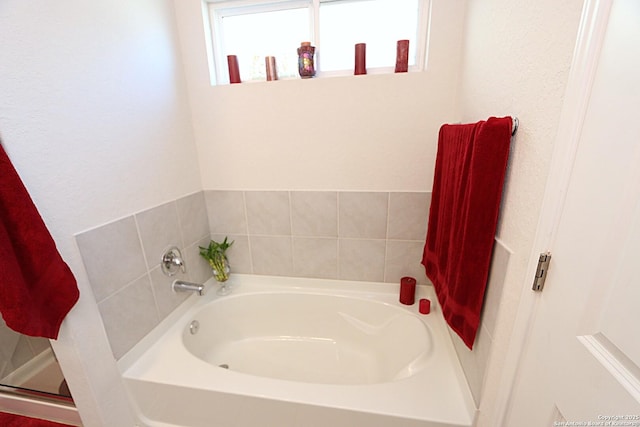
(465, 203)
(37, 288)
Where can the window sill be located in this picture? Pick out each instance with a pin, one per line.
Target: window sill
(332, 74)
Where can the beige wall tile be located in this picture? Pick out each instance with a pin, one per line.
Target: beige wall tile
(226, 212)
(403, 259)
(315, 257)
(362, 215)
(361, 259)
(408, 215)
(194, 221)
(272, 255)
(159, 229)
(314, 213)
(129, 315)
(268, 213)
(166, 299)
(112, 256)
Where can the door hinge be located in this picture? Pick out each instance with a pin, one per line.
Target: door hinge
(541, 271)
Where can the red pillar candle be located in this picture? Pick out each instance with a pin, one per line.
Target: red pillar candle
(272, 72)
(425, 306)
(234, 71)
(402, 56)
(407, 290)
(361, 59)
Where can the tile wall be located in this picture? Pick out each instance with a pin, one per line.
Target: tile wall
(122, 260)
(364, 236)
(474, 363)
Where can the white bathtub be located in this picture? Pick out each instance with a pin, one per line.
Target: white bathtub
(299, 353)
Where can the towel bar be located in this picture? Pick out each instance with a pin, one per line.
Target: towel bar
(514, 125)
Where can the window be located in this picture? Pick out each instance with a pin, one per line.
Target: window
(379, 24)
(254, 29)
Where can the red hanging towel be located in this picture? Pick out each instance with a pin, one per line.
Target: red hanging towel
(465, 203)
(37, 288)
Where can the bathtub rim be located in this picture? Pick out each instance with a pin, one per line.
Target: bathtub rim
(305, 285)
(353, 289)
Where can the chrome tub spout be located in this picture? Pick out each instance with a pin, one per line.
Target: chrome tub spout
(182, 286)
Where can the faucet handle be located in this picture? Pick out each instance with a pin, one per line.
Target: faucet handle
(172, 262)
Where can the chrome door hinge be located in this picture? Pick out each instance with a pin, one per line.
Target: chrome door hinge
(541, 271)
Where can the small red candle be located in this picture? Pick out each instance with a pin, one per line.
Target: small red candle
(234, 71)
(402, 56)
(361, 59)
(425, 306)
(407, 290)
(272, 71)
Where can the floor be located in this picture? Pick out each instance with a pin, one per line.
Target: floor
(10, 420)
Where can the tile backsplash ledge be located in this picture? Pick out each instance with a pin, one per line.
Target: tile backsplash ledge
(361, 236)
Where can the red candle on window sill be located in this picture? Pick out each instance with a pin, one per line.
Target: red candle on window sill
(272, 71)
(402, 56)
(407, 290)
(361, 59)
(234, 71)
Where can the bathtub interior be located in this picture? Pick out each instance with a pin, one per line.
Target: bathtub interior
(312, 338)
(172, 385)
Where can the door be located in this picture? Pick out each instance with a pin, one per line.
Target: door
(582, 363)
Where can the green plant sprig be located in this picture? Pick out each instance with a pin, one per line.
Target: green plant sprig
(216, 256)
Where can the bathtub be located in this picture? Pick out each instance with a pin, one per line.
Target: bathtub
(294, 352)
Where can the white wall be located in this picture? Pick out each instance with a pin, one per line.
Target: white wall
(94, 116)
(516, 60)
(374, 132)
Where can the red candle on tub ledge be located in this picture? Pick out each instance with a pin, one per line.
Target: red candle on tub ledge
(425, 306)
(407, 290)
